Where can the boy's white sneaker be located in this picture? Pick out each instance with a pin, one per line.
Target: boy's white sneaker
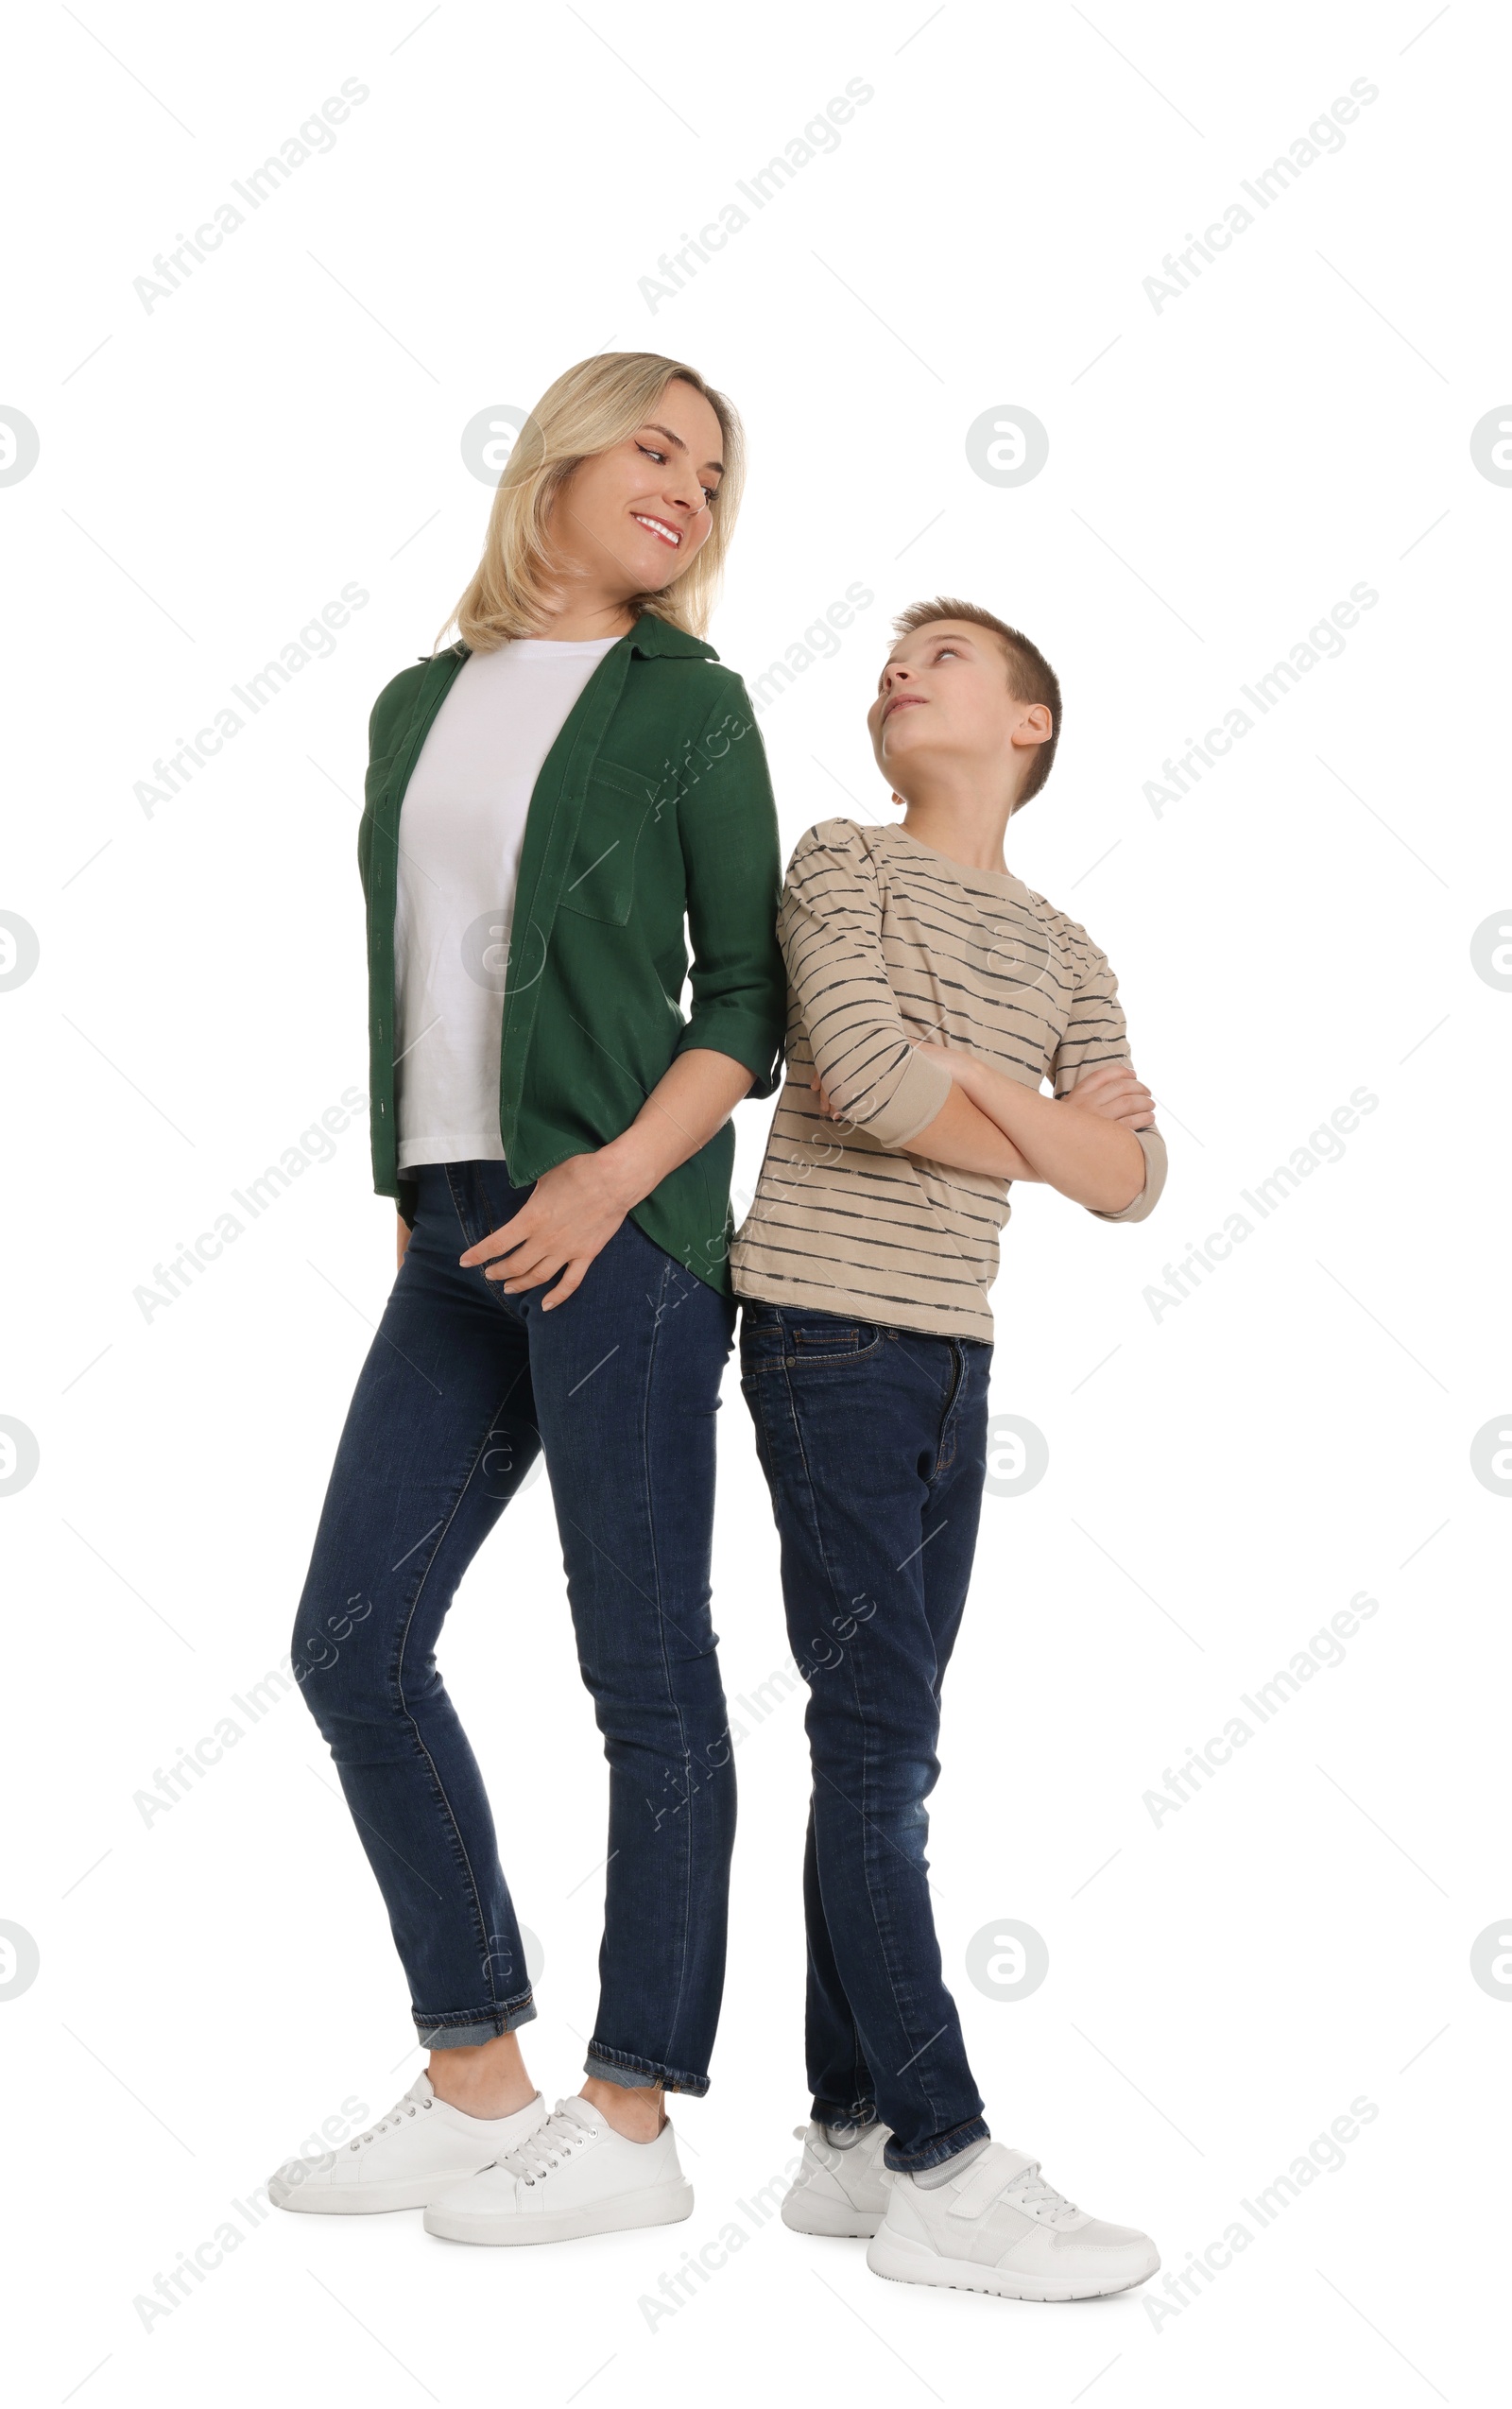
(840, 2191)
(574, 2175)
(423, 2147)
(999, 2228)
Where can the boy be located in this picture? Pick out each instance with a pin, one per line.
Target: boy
(930, 993)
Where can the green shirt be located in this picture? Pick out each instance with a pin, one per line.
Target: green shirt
(653, 807)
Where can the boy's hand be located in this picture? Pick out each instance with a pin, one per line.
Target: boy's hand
(1114, 1093)
(1112, 1090)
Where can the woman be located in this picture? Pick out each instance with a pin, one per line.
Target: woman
(576, 774)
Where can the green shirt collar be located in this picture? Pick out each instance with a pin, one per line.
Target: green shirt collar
(653, 637)
(650, 636)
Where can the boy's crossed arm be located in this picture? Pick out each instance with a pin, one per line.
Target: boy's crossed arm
(872, 1072)
(1085, 1146)
(1082, 1144)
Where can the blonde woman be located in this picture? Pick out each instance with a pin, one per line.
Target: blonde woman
(556, 803)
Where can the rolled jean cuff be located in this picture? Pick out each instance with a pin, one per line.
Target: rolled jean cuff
(639, 2073)
(935, 2153)
(467, 2031)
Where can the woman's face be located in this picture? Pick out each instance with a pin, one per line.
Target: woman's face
(630, 519)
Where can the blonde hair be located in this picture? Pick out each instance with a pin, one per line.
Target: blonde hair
(588, 410)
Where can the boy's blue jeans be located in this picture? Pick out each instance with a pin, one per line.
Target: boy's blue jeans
(873, 1444)
(462, 1390)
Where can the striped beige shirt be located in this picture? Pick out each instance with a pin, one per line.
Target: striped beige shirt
(885, 939)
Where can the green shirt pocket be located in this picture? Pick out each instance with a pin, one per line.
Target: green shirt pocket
(600, 881)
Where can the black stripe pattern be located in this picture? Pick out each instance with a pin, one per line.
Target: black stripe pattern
(887, 941)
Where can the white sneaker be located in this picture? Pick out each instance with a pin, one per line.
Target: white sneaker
(420, 2148)
(840, 2191)
(574, 2176)
(999, 2228)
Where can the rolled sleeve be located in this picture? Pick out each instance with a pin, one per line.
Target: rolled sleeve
(830, 931)
(1096, 1033)
(727, 826)
(914, 1103)
(1142, 1206)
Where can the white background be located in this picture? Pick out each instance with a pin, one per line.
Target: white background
(1222, 1480)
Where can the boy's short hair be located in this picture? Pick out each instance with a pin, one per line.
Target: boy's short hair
(1030, 676)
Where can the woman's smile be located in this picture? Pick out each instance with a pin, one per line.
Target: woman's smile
(662, 528)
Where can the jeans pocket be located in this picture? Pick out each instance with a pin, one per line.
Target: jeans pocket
(761, 1353)
(828, 1339)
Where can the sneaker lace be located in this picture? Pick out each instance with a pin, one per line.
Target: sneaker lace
(541, 2152)
(401, 2108)
(1030, 2192)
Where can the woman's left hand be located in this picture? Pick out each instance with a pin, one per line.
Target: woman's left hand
(573, 1213)
(576, 1208)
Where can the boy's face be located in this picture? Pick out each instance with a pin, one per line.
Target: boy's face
(944, 699)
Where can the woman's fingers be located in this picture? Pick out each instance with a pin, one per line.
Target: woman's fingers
(498, 1241)
(526, 1270)
(569, 1285)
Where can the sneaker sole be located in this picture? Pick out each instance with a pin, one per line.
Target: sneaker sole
(904, 2261)
(368, 2199)
(667, 2204)
(806, 2211)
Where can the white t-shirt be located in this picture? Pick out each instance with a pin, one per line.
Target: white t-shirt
(461, 831)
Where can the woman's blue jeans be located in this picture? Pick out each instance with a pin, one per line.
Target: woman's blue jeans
(462, 1389)
(873, 1443)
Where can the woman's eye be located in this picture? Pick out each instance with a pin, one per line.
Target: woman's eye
(651, 454)
(710, 494)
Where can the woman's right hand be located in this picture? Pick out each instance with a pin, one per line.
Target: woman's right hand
(402, 1231)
